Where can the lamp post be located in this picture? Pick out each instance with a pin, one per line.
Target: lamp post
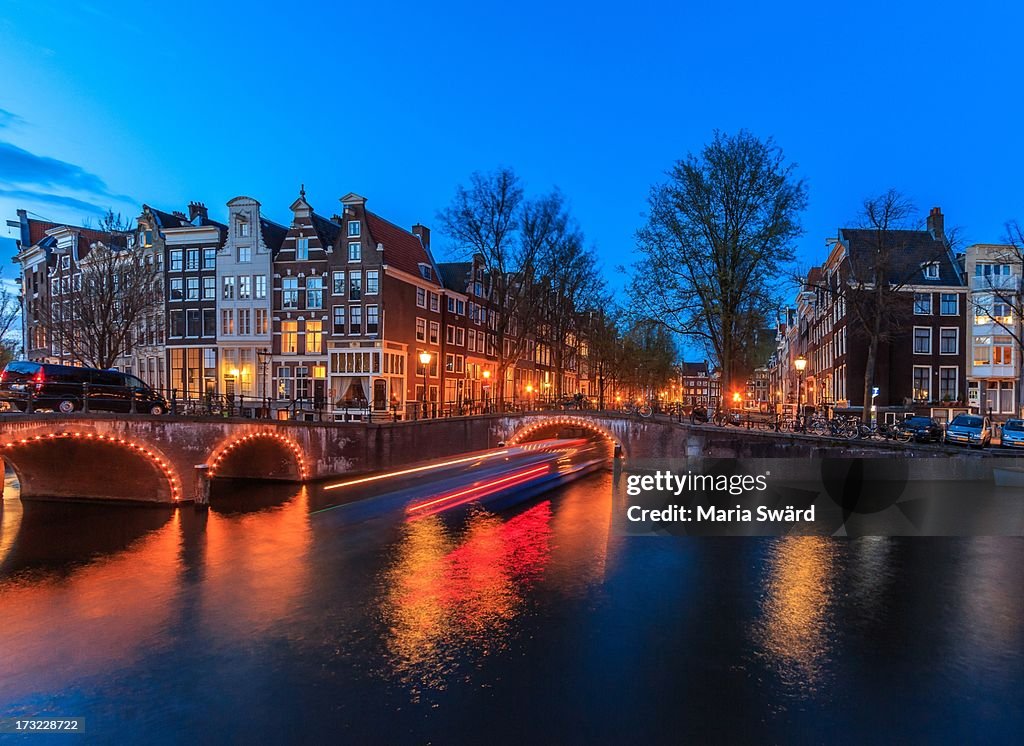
(425, 361)
(264, 359)
(529, 394)
(800, 364)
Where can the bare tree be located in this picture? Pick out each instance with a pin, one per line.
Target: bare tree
(10, 317)
(112, 288)
(487, 218)
(717, 237)
(873, 279)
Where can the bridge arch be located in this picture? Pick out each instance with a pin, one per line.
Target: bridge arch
(259, 455)
(46, 467)
(534, 426)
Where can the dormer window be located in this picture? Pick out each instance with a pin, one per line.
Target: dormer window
(931, 271)
(353, 229)
(425, 271)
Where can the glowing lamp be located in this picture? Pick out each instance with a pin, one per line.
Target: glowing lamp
(800, 363)
(425, 358)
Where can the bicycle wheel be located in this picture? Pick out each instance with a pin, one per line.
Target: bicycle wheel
(904, 436)
(644, 410)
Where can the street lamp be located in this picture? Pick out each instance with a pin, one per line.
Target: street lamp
(487, 385)
(425, 361)
(800, 364)
(264, 358)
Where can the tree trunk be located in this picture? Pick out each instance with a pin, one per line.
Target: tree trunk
(869, 378)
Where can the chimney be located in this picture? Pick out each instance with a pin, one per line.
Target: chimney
(937, 224)
(424, 233)
(196, 208)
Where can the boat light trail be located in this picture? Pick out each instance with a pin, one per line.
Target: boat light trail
(414, 470)
(482, 490)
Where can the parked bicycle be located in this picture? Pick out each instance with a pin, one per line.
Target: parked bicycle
(641, 409)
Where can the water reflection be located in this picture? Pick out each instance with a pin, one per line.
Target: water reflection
(453, 593)
(795, 630)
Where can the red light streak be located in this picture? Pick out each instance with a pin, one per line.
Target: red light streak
(482, 490)
(414, 470)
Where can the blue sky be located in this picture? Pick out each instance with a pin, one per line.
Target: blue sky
(117, 103)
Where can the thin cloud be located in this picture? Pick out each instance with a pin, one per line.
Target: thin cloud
(52, 199)
(9, 119)
(19, 166)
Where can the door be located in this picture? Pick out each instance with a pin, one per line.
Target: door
(380, 394)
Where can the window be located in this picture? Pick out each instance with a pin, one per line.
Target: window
(209, 288)
(192, 259)
(372, 282)
(338, 283)
(227, 322)
(176, 256)
(209, 258)
(314, 337)
(449, 363)
(314, 292)
(192, 288)
(353, 229)
(372, 320)
(922, 380)
(355, 285)
(421, 298)
(209, 322)
(192, 328)
(244, 254)
(355, 318)
(949, 304)
(435, 302)
(1002, 312)
(1002, 350)
(289, 337)
(931, 271)
(449, 334)
(244, 321)
(948, 389)
(949, 341)
(229, 288)
(243, 227)
(922, 304)
(177, 323)
(460, 307)
(421, 330)
(425, 271)
(339, 319)
(261, 321)
(244, 287)
(177, 289)
(435, 332)
(460, 337)
(983, 350)
(922, 340)
(355, 252)
(302, 248)
(261, 287)
(285, 383)
(289, 292)
(460, 364)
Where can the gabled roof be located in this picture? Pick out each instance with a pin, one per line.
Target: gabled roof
(694, 369)
(909, 250)
(165, 219)
(326, 230)
(273, 234)
(456, 275)
(403, 250)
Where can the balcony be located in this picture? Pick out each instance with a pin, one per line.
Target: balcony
(991, 371)
(995, 282)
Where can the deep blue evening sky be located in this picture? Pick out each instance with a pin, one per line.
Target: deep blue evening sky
(113, 103)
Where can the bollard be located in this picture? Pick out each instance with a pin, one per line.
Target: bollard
(201, 495)
(85, 398)
(617, 451)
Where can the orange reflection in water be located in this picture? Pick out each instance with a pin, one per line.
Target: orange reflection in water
(795, 629)
(449, 593)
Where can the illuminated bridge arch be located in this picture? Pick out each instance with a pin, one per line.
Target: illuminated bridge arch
(260, 455)
(535, 426)
(78, 464)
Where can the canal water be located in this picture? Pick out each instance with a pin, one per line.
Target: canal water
(267, 621)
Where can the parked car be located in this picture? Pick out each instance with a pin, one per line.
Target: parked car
(969, 430)
(1013, 434)
(62, 388)
(923, 429)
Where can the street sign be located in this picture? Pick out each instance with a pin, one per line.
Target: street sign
(874, 391)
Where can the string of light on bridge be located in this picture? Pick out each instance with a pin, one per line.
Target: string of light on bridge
(155, 458)
(561, 420)
(287, 442)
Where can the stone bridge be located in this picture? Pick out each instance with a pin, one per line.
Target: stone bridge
(172, 460)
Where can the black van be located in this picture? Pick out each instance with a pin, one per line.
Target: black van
(62, 387)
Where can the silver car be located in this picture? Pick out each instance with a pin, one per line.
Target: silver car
(1013, 434)
(969, 430)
